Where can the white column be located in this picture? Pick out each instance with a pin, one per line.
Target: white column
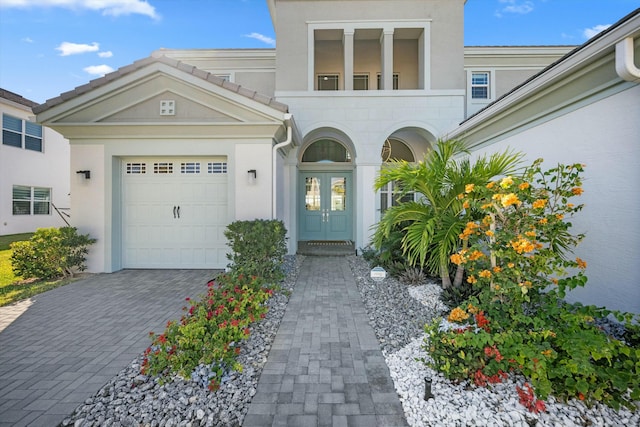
(387, 58)
(347, 41)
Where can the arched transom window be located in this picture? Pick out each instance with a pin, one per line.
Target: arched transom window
(326, 151)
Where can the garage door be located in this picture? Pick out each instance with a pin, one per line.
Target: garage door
(174, 213)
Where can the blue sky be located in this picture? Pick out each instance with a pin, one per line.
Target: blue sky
(51, 46)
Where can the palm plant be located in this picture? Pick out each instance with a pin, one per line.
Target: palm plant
(432, 224)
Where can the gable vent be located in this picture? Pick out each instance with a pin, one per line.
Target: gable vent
(167, 107)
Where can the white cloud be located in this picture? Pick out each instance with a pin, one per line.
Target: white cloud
(107, 54)
(67, 48)
(590, 32)
(262, 38)
(98, 70)
(27, 40)
(515, 6)
(107, 7)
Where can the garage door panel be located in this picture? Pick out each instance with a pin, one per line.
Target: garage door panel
(155, 234)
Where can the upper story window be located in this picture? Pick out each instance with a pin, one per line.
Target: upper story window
(396, 80)
(21, 133)
(480, 85)
(31, 200)
(361, 82)
(328, 81)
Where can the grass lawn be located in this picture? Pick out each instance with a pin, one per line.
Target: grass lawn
(13, 288)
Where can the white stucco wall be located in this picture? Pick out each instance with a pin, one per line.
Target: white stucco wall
(367, 120)
(603, 136)
(49, 169)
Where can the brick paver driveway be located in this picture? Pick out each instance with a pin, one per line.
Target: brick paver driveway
(72, 340)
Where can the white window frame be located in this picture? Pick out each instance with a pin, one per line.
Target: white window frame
(325, 77)
(26, 134)
(486, 86)
(361, 78)
(31, 200)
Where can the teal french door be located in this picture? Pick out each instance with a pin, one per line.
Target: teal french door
(326, 206)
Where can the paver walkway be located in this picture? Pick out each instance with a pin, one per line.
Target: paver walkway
(68, 342)
(325, 367)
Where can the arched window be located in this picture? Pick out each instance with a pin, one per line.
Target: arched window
(326, 151)
(394, 149)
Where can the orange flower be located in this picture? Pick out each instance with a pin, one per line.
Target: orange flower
(523, 186)
(547, 352)
(522, 245)
(530, 233)
(466, 204)
(485, 274)
(543, 221)
(457, 315)
(539, 204)
(457, 259)
(560, 217)
(581, 263)
(509, 199)
(577, 190)
(489, 233)
(511, 265)
(469, 188)
(471, 279)
(491, 185)
(497, 269)
(475, 255)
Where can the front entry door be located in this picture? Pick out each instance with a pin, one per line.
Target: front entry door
(326, 206)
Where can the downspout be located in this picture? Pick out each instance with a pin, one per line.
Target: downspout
(625, 65)
(274, 157)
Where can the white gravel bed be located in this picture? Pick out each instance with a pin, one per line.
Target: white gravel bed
(462, 404)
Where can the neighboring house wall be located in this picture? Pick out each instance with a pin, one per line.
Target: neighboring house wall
(582, 111)
(40, 173)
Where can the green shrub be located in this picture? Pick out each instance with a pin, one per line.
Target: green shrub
(258, 248)
(51, 253)
(389, 255)
(210, 331)
(517, 259)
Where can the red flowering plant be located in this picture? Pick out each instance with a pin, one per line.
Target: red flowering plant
(517, 256)
(210, 330)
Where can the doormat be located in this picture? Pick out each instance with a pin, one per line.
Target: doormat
(329, 243)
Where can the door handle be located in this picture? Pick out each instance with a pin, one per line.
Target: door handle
(178, 212)
(174, 212)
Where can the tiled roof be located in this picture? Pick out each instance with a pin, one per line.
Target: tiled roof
(137, 65)
(8, 95)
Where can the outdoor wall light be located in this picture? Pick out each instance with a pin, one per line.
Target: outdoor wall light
(253, 174)
(87, 174)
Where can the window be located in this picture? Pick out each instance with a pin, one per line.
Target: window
(361, 82)
(328, 82)
(480, 85)
(136, 168)
(190, 167)
(21, 133)
(217, 167)
(31, 200)
(163, 167)
(390, 195)
(326, 151)
(396, 79)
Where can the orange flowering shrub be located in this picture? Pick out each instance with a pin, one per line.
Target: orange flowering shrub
(517, 256)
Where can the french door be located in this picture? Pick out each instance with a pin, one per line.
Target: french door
(326, 206)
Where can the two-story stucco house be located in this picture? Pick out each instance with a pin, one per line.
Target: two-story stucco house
(183, 142)
(34, 169)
